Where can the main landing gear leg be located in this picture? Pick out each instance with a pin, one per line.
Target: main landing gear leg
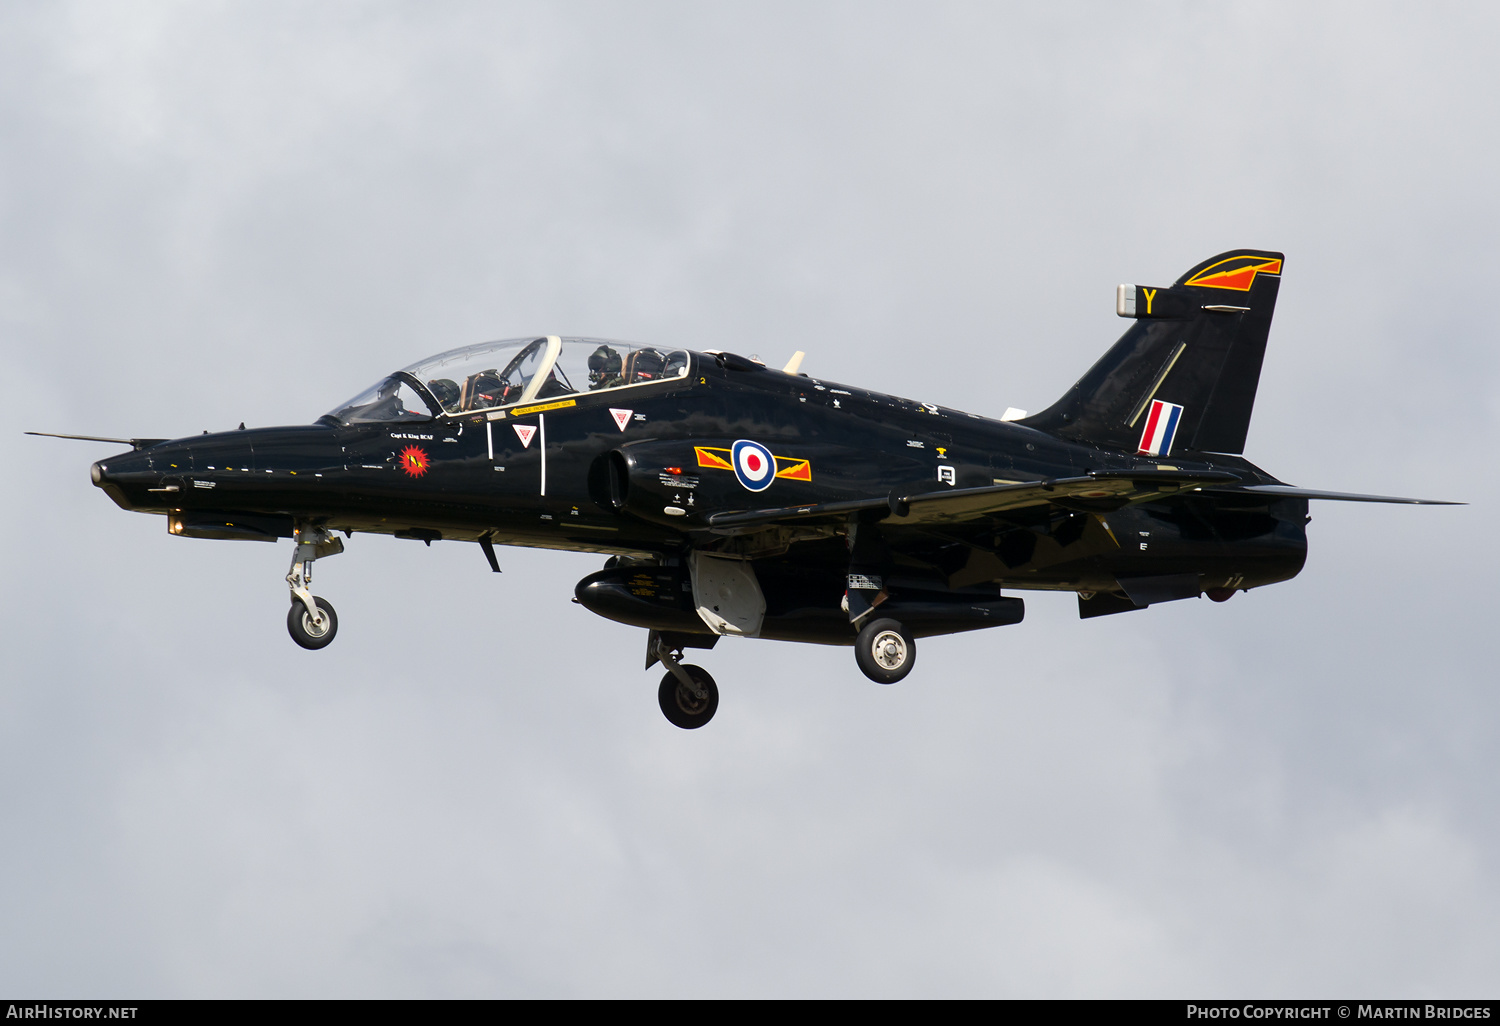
(884, 648)
(311, 621)
(688, 696)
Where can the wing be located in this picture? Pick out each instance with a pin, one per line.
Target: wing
(1292, 492)
(1103, 490)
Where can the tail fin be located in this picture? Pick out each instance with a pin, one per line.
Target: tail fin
(1184, 375)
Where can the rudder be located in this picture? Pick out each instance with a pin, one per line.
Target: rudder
(1184, 375)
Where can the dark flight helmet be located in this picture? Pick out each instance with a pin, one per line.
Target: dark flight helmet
(604, 367)
(445, 391)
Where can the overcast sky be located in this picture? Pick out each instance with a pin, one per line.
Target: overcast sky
(216, 212)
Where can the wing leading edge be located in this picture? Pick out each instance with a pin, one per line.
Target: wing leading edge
(1292, 492)
(1101, 490)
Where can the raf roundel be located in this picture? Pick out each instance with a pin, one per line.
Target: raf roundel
(753, 465)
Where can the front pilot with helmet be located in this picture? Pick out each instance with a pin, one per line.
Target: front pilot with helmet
(604, 369)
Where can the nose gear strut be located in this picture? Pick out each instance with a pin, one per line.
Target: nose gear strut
(315, 623)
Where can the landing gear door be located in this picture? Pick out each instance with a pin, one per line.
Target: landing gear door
(727, 594)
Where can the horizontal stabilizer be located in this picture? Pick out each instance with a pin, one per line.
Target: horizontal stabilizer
(1101, 489)
(1292, 492)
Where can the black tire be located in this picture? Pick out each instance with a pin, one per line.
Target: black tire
(885, 651)
(302, 629)
(683, 708)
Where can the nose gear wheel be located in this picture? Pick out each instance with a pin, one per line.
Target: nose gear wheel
(310, 633)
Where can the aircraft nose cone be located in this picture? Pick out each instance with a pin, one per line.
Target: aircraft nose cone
(105, 473)
(124, 478)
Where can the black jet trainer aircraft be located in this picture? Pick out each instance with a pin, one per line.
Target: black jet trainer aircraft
(736, 499)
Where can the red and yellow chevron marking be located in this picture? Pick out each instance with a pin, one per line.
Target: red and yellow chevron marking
(1239, 275)
(706, 458)
(786, 467)
(795, 470)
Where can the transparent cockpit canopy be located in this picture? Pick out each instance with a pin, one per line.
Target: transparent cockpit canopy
(491, 374)
(594, 364)
(482, 376)
(390, 400)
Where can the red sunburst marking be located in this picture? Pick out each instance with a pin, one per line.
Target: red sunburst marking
(414, 461)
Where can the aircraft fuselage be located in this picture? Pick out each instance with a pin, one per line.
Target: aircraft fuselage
(549, 474)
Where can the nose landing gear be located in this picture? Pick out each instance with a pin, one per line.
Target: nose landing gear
(311, 621)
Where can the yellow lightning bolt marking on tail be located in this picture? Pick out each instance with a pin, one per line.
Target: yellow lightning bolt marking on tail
(1240, 279)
